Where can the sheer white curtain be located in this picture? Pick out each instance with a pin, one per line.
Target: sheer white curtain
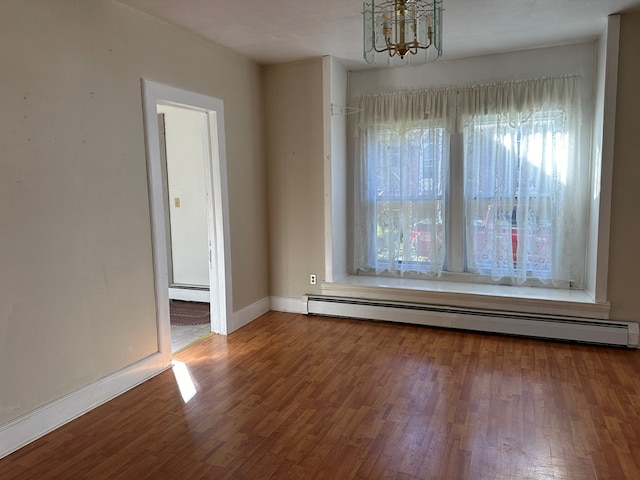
(400, 172)
(525, 186)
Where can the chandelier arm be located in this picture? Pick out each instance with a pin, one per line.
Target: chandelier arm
(383, 50)
(423, 47)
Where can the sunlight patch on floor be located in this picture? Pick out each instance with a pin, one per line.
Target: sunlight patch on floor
(184, 380)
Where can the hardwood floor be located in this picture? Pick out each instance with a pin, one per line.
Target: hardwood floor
(297, 397)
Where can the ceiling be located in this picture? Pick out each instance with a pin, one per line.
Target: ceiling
(277, 31)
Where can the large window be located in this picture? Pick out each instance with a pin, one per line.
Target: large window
(514, 172)
(400, 187)
(407, 206)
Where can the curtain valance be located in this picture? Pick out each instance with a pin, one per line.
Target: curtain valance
(450, 107)
(398, 109)
(519, 100)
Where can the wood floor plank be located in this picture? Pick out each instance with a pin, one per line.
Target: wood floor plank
(304, 397)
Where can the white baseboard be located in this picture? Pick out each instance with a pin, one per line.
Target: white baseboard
(189, 295)
(33, 425)
(286, 304)
(248, 314)
(512, 323)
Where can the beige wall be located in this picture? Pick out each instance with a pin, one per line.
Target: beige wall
(76, 283)
(624, 256)
(294, 122)
(295, 162)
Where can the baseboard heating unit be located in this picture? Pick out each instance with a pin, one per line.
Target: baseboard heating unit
(510, 323)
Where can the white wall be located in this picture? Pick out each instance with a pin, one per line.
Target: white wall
(335, 167)
(526, 64)
(187, 198)
(603, 135)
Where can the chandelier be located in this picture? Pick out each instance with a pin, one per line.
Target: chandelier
(397, 32)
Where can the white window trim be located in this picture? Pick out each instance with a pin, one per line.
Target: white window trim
(589, 303)
(506, 298)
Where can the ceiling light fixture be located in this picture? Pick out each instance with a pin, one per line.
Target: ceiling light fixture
(398, 32)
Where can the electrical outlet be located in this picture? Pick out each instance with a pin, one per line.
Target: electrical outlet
(312, 279)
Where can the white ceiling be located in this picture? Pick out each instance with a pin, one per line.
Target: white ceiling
(275, 31)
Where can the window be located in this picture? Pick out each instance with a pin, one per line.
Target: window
(400, 222)
(522, 189)
(408, 205)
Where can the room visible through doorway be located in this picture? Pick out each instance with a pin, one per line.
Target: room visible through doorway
(183, 143)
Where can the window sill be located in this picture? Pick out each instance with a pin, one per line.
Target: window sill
(521, 300)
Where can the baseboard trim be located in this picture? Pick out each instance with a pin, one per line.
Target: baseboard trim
(512, 323)
(248, 314)
(286, 304)
(33, 425)
(189, 294)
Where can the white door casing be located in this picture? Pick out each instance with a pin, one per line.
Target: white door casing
(217, 205)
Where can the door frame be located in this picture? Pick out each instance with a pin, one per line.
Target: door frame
(154, 93)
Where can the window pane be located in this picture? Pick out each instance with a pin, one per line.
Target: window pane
(513, 170)
(408, 208)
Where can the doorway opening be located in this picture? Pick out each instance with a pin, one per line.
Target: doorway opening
(203, 271)
(183, 134)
